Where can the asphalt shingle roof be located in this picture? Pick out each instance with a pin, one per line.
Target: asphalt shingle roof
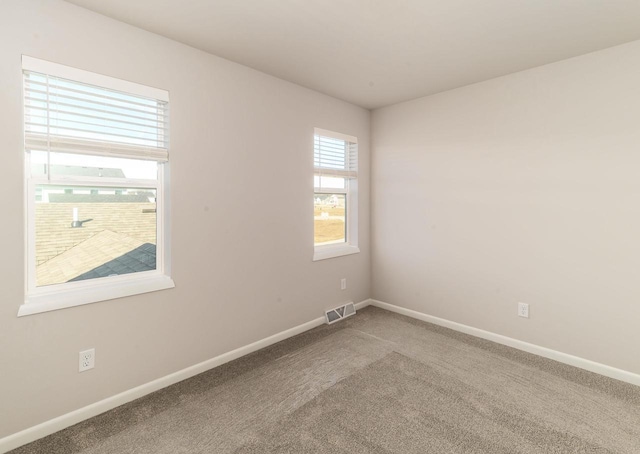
(85, 257)
(142, 258)
(120, 236)
(54, 234)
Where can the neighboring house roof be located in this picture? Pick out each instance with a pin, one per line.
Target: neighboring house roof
(142, 258)
(87, 256)
(54, 234)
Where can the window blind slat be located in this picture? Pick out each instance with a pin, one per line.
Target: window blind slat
(58, 113)
(335, 157)
(73, 117)
(53, 106)
(95, 125)
(43, 90)
(57, 98)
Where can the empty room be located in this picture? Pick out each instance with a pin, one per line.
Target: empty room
(320, 226)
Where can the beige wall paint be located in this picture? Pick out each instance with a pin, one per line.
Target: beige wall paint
(242, 266)
(522, 188)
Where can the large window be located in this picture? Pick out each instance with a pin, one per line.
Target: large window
(335, 217)
(96, 154)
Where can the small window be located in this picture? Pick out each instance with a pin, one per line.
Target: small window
(335, 195)
(96, 151)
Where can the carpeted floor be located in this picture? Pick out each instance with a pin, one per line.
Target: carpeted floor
(374, 383)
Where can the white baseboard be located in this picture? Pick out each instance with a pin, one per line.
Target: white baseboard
(565, 358)
(61, 422)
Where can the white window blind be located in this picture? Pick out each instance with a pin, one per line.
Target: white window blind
(67, 116)
(335, 155)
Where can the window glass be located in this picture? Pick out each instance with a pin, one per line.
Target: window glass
(91, 232)
(325, 182)
(329, 218)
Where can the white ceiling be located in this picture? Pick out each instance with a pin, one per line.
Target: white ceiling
(379, 52)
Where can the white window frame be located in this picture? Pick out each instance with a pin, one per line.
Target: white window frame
(350, 246)
(70, 294)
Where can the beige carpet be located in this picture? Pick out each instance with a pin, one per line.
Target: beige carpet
(375, 383)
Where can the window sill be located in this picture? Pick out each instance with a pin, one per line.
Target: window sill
(329, 252)
(51, 300)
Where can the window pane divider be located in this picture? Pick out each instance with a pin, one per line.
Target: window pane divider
(330, 190)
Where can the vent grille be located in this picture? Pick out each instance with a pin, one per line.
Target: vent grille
(340, 312)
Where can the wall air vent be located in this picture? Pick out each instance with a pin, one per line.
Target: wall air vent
(340, 313)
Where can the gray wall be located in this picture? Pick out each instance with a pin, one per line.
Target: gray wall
(521, 188)
(240, 140)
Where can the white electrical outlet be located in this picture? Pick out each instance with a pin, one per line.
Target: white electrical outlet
(87, 359)
(523, 310)
(343, 283)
